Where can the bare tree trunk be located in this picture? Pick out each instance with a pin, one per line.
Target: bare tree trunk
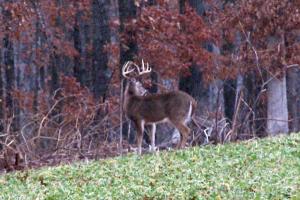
(127, 11)
(230, 88)
(9, 76)
(237, 94)
(9, 69)
(293, 95)
(2, 112)
(277, 94)
(79, 68)
(198, 5)
(37, 69)
(277, 107)
(101, 36)
(24, 81)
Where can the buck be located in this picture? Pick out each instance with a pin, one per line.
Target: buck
(175, 107)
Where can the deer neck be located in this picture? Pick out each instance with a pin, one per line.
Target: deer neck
(131, 103)
(128, 100)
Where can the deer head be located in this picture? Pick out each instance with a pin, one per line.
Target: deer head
(134, 86)
(175, 107)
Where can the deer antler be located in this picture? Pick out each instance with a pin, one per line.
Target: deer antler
(126, 69)
(144, 70)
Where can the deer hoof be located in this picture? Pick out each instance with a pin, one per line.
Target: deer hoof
(152, 148)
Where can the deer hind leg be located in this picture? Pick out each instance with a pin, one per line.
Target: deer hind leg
(184, 133)
(140, 131)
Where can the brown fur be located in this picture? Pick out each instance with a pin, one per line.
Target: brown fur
(154, 108)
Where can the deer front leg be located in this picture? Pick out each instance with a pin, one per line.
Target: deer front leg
(152, 137)
(140, 131)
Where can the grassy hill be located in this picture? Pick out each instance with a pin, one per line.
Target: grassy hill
(260, 169)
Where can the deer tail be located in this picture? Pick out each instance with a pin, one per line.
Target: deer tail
(194, 107)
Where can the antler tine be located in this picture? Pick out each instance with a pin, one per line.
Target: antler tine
(125, 69)
(148, 67)
(143, 65)
(144, 70)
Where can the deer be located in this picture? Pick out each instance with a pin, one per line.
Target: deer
(175, 107)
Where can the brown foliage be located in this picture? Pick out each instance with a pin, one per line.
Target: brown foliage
(269, 29)
(172, 42)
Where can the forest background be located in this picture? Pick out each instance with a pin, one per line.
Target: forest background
(60, 63)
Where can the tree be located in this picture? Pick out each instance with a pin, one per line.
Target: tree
(9, 67)
(101, 36)
(127, 12)
(128, 50)
(209, 95)
(293, 93)
(269, 47)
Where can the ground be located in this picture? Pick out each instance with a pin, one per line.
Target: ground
(258, 169)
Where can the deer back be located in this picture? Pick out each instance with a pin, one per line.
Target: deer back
(153, 108)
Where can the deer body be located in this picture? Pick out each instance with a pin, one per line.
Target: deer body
(155, 108)
(175, 107)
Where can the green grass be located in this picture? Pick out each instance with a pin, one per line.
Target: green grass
(262, 169)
